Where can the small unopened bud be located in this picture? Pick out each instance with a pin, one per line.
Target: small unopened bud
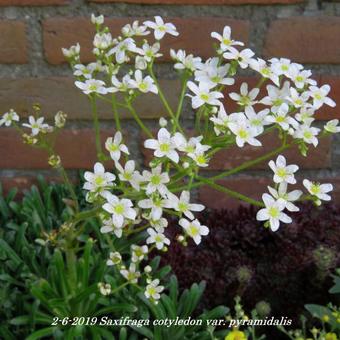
(185, 165)
(28, 139)
(60, 119)
(163, 122)
(54, 161)
(263, 308)
(243, 274)
(147, 269)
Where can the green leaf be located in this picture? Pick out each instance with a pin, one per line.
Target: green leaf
(41, 333)
(117, 308)
(336, 288)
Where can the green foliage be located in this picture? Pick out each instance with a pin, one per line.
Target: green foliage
(41, 279)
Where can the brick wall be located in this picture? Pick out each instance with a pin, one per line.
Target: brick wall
(33, 70)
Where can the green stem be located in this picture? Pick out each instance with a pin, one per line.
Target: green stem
(180, 102)
(231, 193)
(164, 100)
(84, 215)
(69, 187)
(251, 163)
(138, 120)
(115, 112)
(96, 126)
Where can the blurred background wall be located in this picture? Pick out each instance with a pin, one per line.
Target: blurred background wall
(32, 70)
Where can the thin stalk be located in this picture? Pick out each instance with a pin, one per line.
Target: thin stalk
(164, 100)
(96, 126)
(180, 102)
(231, 193)
(138, 120)
(116, 113)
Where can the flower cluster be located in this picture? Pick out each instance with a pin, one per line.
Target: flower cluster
(133, 199)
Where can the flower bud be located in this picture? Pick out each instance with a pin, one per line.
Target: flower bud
(263, 308)
(54, 161)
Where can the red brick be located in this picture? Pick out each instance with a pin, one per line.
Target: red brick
(205, 2)
(33, 2)
(60, 93)
(318, 158)
(305, 39)
(13, 42)
(253, 187)
(194, 35)
(75, 147)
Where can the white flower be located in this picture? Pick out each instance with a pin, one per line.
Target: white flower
(245, 98)
(99, 180)
(276, 96)
(282, 171)
(261, 66)
(156, 204)
(222, 120)
(134, 30)
(307, 133)
(183, 205)
(305, 115)
(287, 197)
(114, 258)
(282, 118)
(72, 52)
(140, 63)
(282, 66)
(244, 133)
(319, 96)
(109, 227)
(156, 180)
(93, 86)
(150, 51)
(83, 70)
(153, 290)
(115, 147)
(119, 209)
(99, 20)
(184, 61)
(9, 117)
(130, 274)
(212, 74)
(121, 49)
(144, 85)
(37, 125)
(194, 229)
(332, 126)
(158, 238)
(301, 78)
(198, 155)
(159, 225)
(273, 212)
(257, 120)
(298, 100)
(138, 252)
(164, 146)
(102, 41)
(104, 288)
(203, 95)
(225, 39)
(129, 174)
(318, 190)
(243, 58)
(160, 28)
(122, 86)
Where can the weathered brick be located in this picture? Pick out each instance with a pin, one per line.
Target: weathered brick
(60, 93)
(13, 42)
(194, 35)
(75, 147)
(205, 2)
(33, 2)
(305, 39)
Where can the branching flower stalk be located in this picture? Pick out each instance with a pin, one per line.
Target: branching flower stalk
(136, 199)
